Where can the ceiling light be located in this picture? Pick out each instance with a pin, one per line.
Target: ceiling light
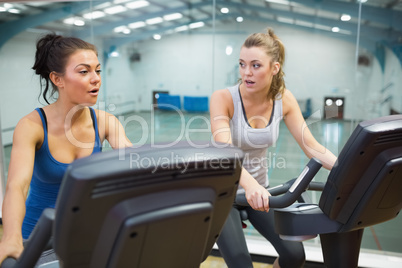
(126, 31)
(137, 4)
(335, 29)
(114, 54)
(154, 20)
(14, 11)
(137, 24)
(239, 19)
(173, 16)
(79, 22)
(94, 15)
(120, 1)
(2, 9)
(196, 25)
(225, 10)
(69, 21)
(229, 50)
(362, 1)
(157, 36)
(120, 29)
(74, 21)
(283, 2)
(115, 9)
(181, 28)
(345, 17)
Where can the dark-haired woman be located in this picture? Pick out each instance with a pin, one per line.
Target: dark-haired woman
(248, 116)
(48, 139)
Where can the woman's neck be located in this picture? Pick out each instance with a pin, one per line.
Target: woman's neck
(257, 97)
(67, 113)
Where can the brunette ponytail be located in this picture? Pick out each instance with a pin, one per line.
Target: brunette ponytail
(52, 53)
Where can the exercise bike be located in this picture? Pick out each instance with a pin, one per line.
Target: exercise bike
(363, 189)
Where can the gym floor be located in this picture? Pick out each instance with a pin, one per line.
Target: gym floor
(286, 161)
(218, 262)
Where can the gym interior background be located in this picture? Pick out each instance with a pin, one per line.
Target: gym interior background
(343, 64)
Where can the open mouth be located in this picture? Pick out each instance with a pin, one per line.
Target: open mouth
(94, 91)
(249, 82)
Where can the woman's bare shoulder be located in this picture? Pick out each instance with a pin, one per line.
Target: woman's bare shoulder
(30, 127)
(222, 95)
(287, 95)
(221, 103)
(288, 101)
(103, 116)
(220, 91)
(32, 119)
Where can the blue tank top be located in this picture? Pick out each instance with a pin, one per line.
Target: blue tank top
(46, 178)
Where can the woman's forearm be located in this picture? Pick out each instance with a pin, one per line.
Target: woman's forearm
(318, 151)
(13, 214)
(246, 180)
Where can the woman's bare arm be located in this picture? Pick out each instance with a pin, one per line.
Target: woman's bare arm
(298, 128)
(26, 136)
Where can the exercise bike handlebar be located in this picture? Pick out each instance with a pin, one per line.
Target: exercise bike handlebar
(42, 236)
(291, 190)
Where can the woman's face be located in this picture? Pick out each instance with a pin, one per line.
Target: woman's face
(81, 80)
(255, 68)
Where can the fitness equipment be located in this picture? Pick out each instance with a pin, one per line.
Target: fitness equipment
(155, 206)
(363, 189)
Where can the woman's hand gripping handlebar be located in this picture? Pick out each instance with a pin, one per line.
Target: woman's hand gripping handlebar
(39, 241)
(290, 191)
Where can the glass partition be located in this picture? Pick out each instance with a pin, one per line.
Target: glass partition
(162, 60)
(378, 90)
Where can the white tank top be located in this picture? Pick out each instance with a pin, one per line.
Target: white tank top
(254, 141)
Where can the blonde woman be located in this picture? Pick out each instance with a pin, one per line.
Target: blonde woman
(248, 115)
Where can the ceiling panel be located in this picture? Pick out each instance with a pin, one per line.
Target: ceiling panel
(17, 16)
